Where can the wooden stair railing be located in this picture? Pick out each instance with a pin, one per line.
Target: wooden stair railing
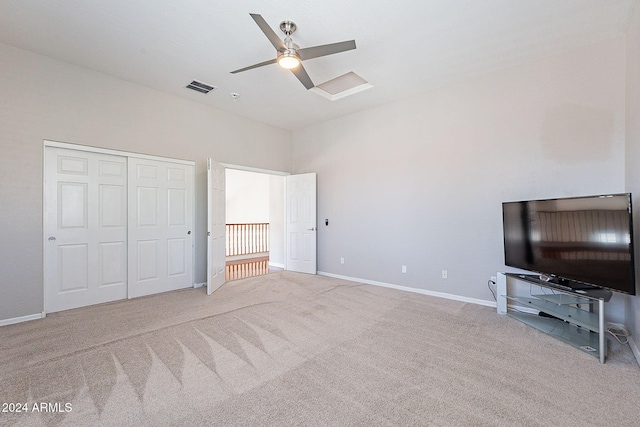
(247, 239)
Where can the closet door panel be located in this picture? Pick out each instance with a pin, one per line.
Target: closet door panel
(160, 226)
(85, 230)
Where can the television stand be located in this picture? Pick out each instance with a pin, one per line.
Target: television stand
(568, 320)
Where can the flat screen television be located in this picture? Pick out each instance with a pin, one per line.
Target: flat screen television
(577, 242)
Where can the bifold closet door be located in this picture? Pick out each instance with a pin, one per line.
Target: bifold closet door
(160, 226)
(85, 229)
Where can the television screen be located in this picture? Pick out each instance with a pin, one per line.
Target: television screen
(582, 240)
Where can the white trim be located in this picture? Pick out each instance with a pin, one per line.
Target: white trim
(334, 97)
(634, 349)
(414, 290)
(44, 223)
(257, 170)
(199, 285)
(79, 147)
(276, 265)
(21, 319)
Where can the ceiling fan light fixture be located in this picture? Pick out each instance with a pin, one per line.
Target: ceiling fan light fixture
(289, 55)
(288, 59)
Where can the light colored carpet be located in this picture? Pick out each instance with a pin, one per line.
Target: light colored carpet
(294, 349)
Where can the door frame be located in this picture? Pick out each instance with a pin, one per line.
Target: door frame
(267, 172)
(279, 173)
(126, 154)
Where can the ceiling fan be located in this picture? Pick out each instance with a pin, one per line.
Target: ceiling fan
(289, 54)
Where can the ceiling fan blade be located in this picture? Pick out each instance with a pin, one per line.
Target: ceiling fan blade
(325, 49)
(302, 75)
(268, 31)
(250, 67)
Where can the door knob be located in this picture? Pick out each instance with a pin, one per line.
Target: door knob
(311, 229)
(189, 232)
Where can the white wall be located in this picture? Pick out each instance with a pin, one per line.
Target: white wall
(420, 182)
(247, 195)
(41, 98)
(632, 320)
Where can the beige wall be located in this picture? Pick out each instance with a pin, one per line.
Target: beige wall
(420, 182)
(41, 98)
(632, 320)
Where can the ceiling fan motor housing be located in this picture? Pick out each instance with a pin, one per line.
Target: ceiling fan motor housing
(288, 27)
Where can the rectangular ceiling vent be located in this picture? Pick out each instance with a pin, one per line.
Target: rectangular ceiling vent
(200, 87)
(344, 85)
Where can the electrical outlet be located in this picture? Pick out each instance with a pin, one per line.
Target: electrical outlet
(341, 260)
(445, 274)
(404, 268)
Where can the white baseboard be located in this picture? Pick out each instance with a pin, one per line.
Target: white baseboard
(21, 319)
(276, 265)
(199, 285)
(414, 290)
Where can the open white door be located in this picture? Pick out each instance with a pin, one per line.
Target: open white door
(301, 223)
(216, 226)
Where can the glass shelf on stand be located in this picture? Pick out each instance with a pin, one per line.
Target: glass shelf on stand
(566, 315)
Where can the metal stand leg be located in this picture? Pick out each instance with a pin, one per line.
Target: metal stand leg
(603, 341)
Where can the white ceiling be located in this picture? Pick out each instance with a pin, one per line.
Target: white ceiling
(404, 47)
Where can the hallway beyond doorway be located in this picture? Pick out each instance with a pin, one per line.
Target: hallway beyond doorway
(240, 269)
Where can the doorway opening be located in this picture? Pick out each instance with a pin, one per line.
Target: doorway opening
(255, 223)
